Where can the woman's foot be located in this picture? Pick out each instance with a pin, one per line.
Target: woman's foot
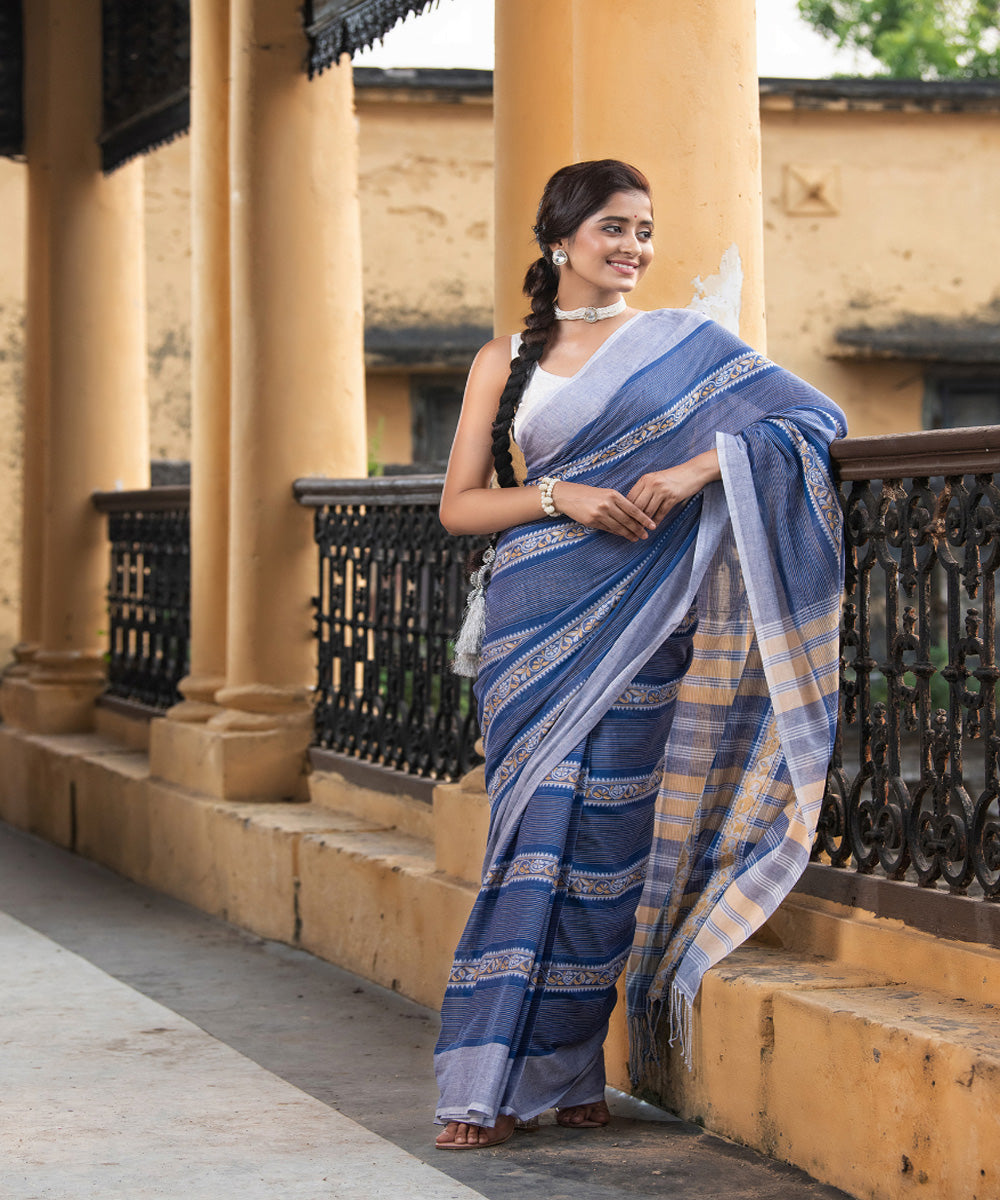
(461, 1135)
(584, 1116)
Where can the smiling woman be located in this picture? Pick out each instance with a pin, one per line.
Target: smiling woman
(636, 765)
(595, 230)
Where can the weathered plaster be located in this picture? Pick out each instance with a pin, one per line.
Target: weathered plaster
(11, 429)
(914, 236)
(12, 201)
(168, 299)
(720, 296)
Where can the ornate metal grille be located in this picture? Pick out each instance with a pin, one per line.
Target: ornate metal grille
(336, 27)
(392, 588)
(146, 53)
(11, 79)
(913, 787)
(148, 593)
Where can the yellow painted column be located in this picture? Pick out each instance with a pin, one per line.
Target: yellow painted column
(298, 366)
(98, 425)
(533, 133)
(210, 358)
(36, 337)
(297, 396)
(671, 88)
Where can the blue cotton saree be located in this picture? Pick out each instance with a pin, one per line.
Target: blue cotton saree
(657, 716)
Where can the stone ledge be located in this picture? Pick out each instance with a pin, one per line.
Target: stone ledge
(374, 903)
(912, 1098)
(853, 937)
(335, 791)
(867, 1085)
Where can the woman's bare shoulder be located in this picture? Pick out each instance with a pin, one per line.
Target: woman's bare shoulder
(491, 365)
(496, 353)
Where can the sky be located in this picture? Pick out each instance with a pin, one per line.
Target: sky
(459, 33)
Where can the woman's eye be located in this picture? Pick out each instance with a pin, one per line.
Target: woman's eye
(612, 229)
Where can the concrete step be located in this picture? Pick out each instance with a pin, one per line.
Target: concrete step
(866, 1083)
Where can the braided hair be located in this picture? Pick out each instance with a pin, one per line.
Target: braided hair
(573, 194)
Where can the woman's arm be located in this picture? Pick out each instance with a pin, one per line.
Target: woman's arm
(470, 505)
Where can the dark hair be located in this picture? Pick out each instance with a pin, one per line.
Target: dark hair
(573, 194)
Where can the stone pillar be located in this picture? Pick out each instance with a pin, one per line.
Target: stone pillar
(297, 398)
(533, 124)
(298, 365)
(670, 88)
(36, 321)
(96, 363)
(210, 358)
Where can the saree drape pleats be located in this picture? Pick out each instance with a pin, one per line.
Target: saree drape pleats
(658, 716)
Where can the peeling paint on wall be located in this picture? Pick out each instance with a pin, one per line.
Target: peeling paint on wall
(11, 439)
(721, 296)
(169, 363)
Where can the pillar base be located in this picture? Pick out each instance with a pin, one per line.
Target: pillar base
(232, 763)
(266, 700)
(35, 706)
(192, 712)
(24, 656)
(198, 706)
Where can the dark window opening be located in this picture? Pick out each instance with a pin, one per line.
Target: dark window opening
(435, 403)
(956, 399)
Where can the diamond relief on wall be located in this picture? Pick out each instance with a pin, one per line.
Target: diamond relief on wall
(811, 191)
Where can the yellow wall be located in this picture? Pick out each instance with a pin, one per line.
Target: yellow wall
(388, 398)
(426, 180)
(168, 291)
(905, 224)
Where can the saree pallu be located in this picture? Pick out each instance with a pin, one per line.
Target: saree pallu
(657, 716)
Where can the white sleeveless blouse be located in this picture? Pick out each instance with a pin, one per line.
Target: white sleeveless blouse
(541, 386)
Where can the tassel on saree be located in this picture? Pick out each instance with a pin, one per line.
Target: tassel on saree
(469, 643)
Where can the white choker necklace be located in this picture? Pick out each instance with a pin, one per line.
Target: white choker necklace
(591, 314)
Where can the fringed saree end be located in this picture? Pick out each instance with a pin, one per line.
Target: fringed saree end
(643, 1042)
(643, 1054)
(682, 1023)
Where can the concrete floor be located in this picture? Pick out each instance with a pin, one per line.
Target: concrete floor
(148, 1050)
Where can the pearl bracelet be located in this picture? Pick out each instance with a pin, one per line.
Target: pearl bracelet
(545, 486)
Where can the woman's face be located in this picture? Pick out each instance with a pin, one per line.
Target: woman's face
(612, 248)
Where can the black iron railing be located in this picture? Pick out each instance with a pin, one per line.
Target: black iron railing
(915, 780)
(913, 786)
(148, 593)
(391, 593)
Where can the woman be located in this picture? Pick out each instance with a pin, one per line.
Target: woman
(657, 685)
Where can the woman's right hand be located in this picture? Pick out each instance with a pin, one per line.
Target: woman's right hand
(601, 508)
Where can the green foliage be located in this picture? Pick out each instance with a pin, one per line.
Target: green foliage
(375, 467)
(915, 39)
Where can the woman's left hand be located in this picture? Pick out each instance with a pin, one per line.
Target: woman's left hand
(657, 492)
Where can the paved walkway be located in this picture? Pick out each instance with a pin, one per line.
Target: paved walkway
(147, 1050)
